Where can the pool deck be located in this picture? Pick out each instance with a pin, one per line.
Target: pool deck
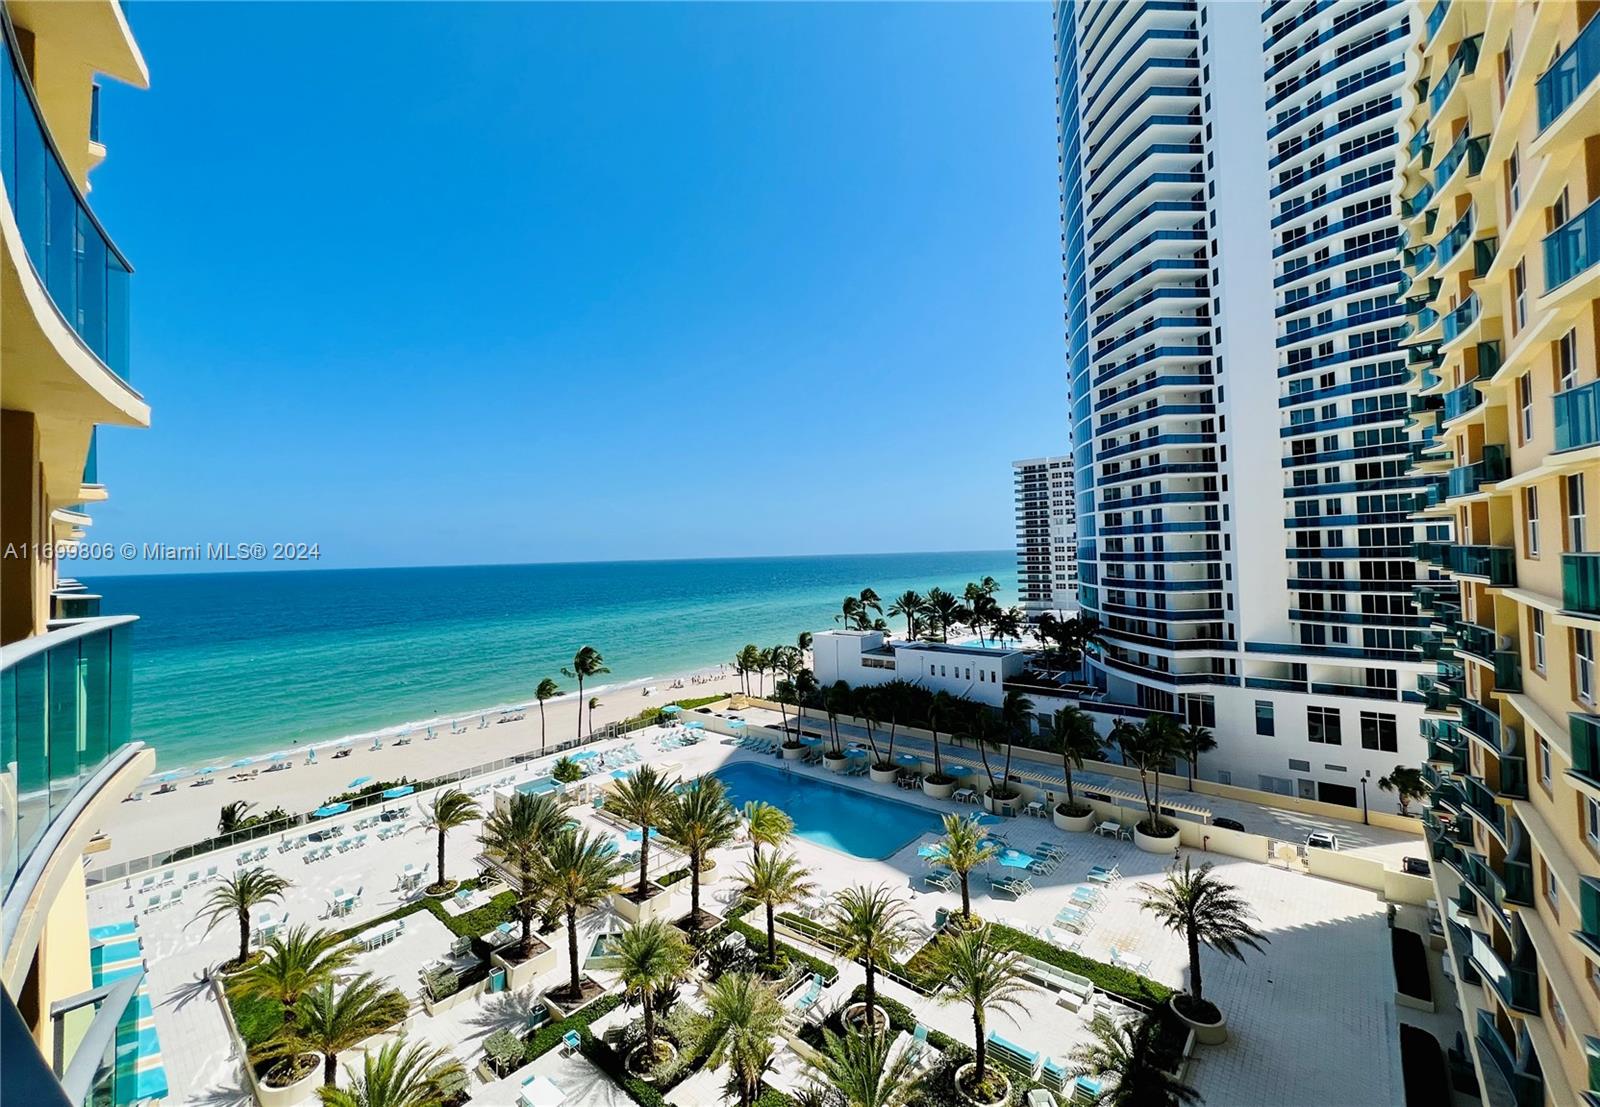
(1327, 964)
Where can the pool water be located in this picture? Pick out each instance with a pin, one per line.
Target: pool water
(844, 819)
(538, 787)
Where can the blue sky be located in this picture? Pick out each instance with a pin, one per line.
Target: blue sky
(489, 283)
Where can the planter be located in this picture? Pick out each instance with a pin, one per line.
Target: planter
(632, 1063)
(883, 776)
(836, 763)
(1206, 1033)
(1001, 805)
(994, 1073)
(564, 1006)
(939, 791)
(1073, 822)
(794, 753)
(855, 1015)
(519, 974)
(659, 905)
(445, 892)
(273, 1095)
(1153, 844)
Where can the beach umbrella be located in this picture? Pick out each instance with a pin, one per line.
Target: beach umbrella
(695, 724)
(397, 791)
(239, 764)
(671, 709)
(987, 820)
(281, 755)
(957, 770)
(856, 751)
(359, 781)
(1015, 859)
(934, 850)
(619, 774)
(736, 724)
(812, 741)
(330, 809)
(908, 759)
(634, 835)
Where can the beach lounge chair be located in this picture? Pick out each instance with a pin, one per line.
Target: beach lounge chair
(154, 903)
(808, 998)
(1102, 875)
(943, 879)
(192, 878)
(211, 872)
(1071, 919)
(147, 883)
(1128, 961)
(1050, 850)
(1014, 886)
(1013, 1056)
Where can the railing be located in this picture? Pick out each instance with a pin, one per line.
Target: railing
(1472, 149)
(81, 269)
(1456, 237)
(65, 708)
(1459, 401)
(1584, 732)
(1572, 72)
(1572, 247)
(1461, 64)
(1580, 582)
(1459, 320)
(1436, 18)
(1578, 417)
(1494, 466)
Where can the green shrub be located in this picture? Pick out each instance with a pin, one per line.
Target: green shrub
(673, 877)
(257, 1017)
(1108, 978)
(757, 938)
(566, 770)
(549, 1036)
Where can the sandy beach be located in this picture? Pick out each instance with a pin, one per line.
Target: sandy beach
(157, 822)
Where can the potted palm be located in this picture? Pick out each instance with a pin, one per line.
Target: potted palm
(292, 965)
(746, 1018)
(1206, 911)
(514, 838)
(862, 1070)
(939, 784)
(836, 702)
(645, 798)
(700, 820)
(985, 976)
(577, 873)
(776, 880)
(871, 924)
(1126, 1057)
(962, 849)
(651, 956)
(234, 899)
(400, 1074)
(450, 808)
(1149, 748)
(335, 1017)
(1073, 735)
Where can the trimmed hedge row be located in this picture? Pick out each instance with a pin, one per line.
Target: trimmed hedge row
(1108, 978)
(549, 1036)
(757, 938)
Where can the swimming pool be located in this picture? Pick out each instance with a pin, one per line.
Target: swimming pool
(844, 819)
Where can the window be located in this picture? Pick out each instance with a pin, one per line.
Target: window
(1322, 725)
(1552, 894)
(1567, 361)
(1519, 293)
(1583, 675)
(1530, 504)
(1558, 1014)
(1536, 628)
(1514, 180)
(1544, 763)
(1577, 520)
(1525, 405)
(1264, 724)
(1378, 732)
(1591, 829)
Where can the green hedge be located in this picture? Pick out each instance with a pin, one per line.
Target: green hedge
(549, 1036)
(1108, 978)
(257, 1017)
(610, 1062)
(757, 937)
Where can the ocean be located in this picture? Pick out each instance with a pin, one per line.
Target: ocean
(228, 665)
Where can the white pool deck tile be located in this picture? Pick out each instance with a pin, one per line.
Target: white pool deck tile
(1312, 1019)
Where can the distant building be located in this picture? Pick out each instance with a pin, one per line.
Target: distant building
(1047, 536)
(862, 658)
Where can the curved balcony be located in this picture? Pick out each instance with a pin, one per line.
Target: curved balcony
(1460, 321)
(1571, 75)
(1468, 149)
(1462, 64)
(1577, 412)
(1572, 248)
(1455, 238)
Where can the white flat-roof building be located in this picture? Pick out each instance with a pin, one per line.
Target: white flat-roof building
(1047, 536)
(867, 657)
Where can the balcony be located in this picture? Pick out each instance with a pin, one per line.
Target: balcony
(1584, 731)
(1462, 63)
(1572, 248)
(1578, 417)
(74, 259)
(1436, 18)
(1483, 253)
(1589, 913)
(1465, 148)
(1580, 583)
(1459, 401)
(1481, 722)
(1458, 321)
(1522, 1078)
(1489, 358)
(1495, 564)
(1518, 988)
(1464, 480)
(1455, 238)
(1573, 72)
(1507, 671)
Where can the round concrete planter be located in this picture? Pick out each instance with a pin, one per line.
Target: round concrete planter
(836, 764)
(271, 1095)
(961, 1075)
(672, 1052)
(1151, 844)
(1006, 806)
(1079, 823)
(855, 1015)
(883, 776)
(1206, 1033)
(795, 753)
(939, 791)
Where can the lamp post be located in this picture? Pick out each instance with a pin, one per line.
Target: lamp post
(1364, 778)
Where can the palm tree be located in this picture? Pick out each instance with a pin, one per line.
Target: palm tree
(231, 817)
(776, 880)
(979, 728)
(962, 849)
(788, 661)
(450, 808)
(651, 956)
(548, 689)
(335, 1017)
(1124, 1057)
(1016, 715)
(946, 610)
(763, 666)
(700, 820)
(851, 613)
(516, 835)
(1073, 735)
(746, 1016)
(865, 701)
(1408, 785)
(984, 975)
(855, 1070)
(236, 897)
(576, 873)
(1194, 740)
(645, 798)
(1204, 910)
(294, 964)
(872, 925)
(594, 702)
(980, 608)
(908, 605)
(943, 707)
(1149, 748)
(1007, 623)
(837, 702)
(1078, 634)
(586, 663)
(767, 824)
(399, 1076)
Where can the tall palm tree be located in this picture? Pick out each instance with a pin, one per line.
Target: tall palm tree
(981, 728)
(767, 824)
(1149, 748)
(644, 797)
(1073, 735)
(908, 605)
(763, 667)
(946, 610)
(1205, 910)
(943, 707)
(548, 690)
(1079, 633)
(700, 820)
(294, 964)
(776, 880)
(516, 836)
(837, 701)
(651, 956)
(746, 1016)
(1123, 1056)
(851, 613)
(856, 1070)
(1007, 623)
(576, 873)
(1194, 740)
(231, 817)
(984, 975)
(450, 808)
(962, 849)
(1408, 785)
(398, 1075)
(872, 924)
(586, 663)
(333, 1017)
(866, 704)
(236, 897)
(1016, 718)
(594, 702)
(980, 608)
(788, 661)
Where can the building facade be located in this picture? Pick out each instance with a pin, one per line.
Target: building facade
(1047, 536)
(1237, 386)
(862, 658)
(1498, 176)
(69, 1031)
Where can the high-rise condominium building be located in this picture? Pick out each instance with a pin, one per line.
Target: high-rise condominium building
(72, 1027)
(1047, 536)
(1499, 173)
(1237, 385)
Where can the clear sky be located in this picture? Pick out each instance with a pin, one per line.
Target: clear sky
(432, 284)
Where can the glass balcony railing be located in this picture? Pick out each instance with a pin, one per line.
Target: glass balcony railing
(1436, 18)
(85, 275)
(65, 708)
(1459, 401)
(1572, 73)
(1526, 1086)
(1464, 480)
(1572, 247)
(1507, 671)
(1578, 417)
(1489, 358)
(1459, 320)
(1584, 731)
(1456, 237)
(1465, 148)
(1464, 61)
(1482, 722)
(1580, 582)
(1589, 912)
(1476, 640)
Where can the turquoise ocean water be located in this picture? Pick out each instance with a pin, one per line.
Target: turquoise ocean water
(232, 664)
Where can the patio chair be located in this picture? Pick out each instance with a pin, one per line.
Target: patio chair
(943, 879)
(570, 1043)
(1016, 887)
(1071, 919)
(919, 1043)
(1050, 850)
(1128, 961)
(809, 998)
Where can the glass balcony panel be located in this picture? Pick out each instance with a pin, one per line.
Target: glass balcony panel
(1573, 72)
(1572, 247)
(1580, 582)
(1578, 417)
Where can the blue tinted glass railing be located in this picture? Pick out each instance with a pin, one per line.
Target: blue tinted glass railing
(80, 267)
(1572, 72)
(1436, 17)
(1462, 64)
(1578, 417)
(1572, 247)
(1457, 322)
